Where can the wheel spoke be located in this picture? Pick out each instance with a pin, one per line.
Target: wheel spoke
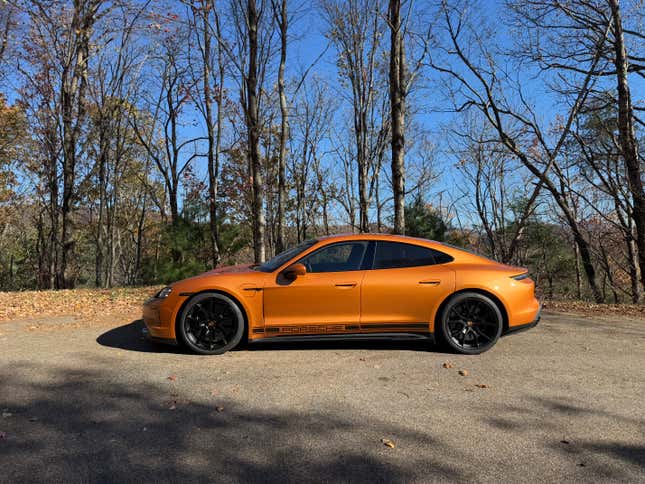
(484, 335)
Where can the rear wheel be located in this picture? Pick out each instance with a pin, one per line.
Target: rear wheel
(211, 324)
(471, 323)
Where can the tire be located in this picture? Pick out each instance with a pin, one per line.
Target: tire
(211, 324)
(470, 323)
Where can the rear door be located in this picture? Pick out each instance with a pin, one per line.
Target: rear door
(403, 289)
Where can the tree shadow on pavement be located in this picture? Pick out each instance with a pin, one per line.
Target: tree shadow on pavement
(605, 458)
(80, 425)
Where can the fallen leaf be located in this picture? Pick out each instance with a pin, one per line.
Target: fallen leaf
(219, 409)
(172, 378)
(463, 372)
(482, 385)
(388, 443)
(447, 364)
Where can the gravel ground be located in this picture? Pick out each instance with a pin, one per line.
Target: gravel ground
(562, 402)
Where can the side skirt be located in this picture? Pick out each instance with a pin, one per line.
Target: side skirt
(352, 337)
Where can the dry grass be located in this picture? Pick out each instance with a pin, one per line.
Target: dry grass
(83, 304)
(592, 309)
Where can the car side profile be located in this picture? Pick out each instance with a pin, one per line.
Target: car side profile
(348, 286)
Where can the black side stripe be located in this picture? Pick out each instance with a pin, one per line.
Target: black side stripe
(393, 326)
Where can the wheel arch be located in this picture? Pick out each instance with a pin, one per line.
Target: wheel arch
(229, 295)
(498, 302)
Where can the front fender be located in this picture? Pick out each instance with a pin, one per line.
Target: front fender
(248, 298)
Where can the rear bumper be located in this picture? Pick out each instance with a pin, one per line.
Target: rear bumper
(524, 327)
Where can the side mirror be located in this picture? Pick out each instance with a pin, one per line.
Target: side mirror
(294, 270)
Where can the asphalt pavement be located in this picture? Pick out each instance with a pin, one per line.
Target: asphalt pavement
(564, 401)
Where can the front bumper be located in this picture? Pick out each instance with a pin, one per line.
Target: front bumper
(157, 317)
(168, 341)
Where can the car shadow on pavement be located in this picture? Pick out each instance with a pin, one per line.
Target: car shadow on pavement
(130, 337)
(348, 344)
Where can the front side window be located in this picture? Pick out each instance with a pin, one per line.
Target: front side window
(272, 264)
(393, 255)
(342, 257)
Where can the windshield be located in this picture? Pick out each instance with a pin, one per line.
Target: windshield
(275, 262)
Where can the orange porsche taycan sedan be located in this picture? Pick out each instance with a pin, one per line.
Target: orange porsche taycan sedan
(349, 286)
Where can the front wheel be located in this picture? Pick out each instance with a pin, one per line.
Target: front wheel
(211, 324)
(470, 323)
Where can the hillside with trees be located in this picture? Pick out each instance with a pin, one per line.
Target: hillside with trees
(145, 141)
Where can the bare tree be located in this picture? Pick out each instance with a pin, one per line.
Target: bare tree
(627, 137)
(205, 24)
(158, 124)
(61, 40)
(282, 20)
(356, 29)
(397, 105)
(480, 86)
(563, 37)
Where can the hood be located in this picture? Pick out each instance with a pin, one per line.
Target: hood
(229, 269)
(245, 268)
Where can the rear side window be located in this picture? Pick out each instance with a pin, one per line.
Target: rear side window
(393, 255)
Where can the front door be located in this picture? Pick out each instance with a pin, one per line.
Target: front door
(404, 289)
(326, 300)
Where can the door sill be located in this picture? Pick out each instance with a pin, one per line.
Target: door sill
(353, 337)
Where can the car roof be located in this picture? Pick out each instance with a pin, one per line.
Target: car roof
(463, 254)
(373, 236)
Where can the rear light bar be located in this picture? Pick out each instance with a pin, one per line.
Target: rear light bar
(521, 276)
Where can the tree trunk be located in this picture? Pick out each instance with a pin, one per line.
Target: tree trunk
(253, 128)
(212, 135)
(72, 101)
(634, 271)
(283, 20)
(627, 137)
(102, 161)
(397, 106)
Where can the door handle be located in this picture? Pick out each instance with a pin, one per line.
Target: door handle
(346, 284)
(430, 282)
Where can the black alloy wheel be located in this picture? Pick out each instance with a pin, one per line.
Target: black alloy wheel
(211, 324)
(471, 323)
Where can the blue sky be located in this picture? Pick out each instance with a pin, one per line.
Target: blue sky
(429, 101)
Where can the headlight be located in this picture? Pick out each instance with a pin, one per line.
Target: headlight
(164, 293)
